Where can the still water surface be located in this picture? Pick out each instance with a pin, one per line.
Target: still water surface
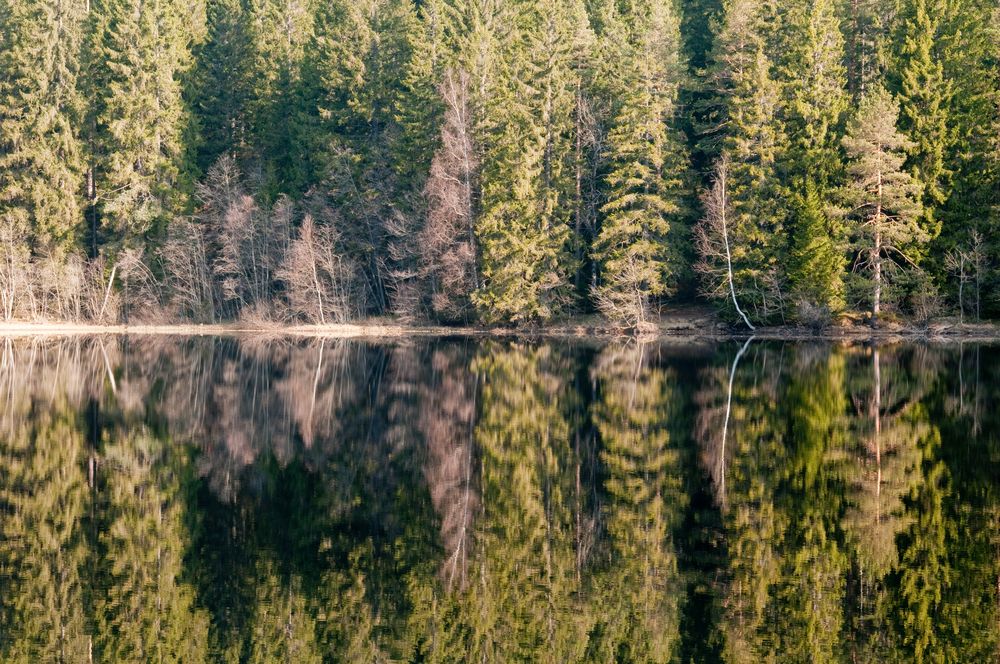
(217, 499)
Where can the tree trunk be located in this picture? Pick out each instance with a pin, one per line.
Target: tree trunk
(877, 260)
(729, 258)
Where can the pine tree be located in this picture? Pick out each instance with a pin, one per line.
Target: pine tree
(883, 198)
(925, 98)
(139, 52)
(40, 107)
(646, 166)
(523, 231)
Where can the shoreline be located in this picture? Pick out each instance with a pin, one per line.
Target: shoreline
(677, 327)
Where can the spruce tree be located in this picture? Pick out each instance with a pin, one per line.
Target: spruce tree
(431, 112)
(924, 100)
(523, 232)
(816, 259)
(139, 52)
(815, 97)
(225, 82)
(970, 52)
(646, 166)
(282, 31)
(418, 107)
(867, 25)
(358, 53)
(40, 106)
(745, 127)
(815, 100)
(884, 199)
(43, 562)
(144, 610)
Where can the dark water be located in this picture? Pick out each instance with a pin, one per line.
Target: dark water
(305, 501)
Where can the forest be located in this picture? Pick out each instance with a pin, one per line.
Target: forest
(499, 161)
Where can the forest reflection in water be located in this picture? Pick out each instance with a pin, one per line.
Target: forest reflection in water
(218, 499)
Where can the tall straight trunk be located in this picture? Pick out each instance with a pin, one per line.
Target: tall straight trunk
(877, 259)
(961, 289)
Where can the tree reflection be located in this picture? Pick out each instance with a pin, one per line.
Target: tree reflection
(637, 585)
(224, 499)
(43, 549)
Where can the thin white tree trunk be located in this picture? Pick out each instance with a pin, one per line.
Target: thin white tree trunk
(107, 291)
(729, 256)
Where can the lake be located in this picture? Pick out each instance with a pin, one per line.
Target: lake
(301, 500)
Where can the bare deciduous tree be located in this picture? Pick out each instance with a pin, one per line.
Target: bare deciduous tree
(15, 266)
(187, 270)
(967, 264)
(140, 290)
(59, 284)
(447, 243)
(713, 240)
(250, 241)
(319, 282)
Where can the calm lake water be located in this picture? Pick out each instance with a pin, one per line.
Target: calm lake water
(217, 499)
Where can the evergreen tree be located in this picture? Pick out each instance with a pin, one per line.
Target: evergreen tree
(146, 611)
(418, 104)
(41, 163)
(924, 103)
(811, 592)
(814, 103)
(816, 259)
(139, 52)
(925, 572)
(646, 161)
(521, 606)
(883, 198)
(814, 89)
(639, 593)
(284, 628)
(523, 231)
(867, 26)
(225, 84)
(746, 127)
(969, 47)
(745, 448)
(359, 51)
(281, 32)
(433, 159)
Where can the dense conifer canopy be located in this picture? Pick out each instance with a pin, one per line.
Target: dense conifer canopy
(487, 161)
